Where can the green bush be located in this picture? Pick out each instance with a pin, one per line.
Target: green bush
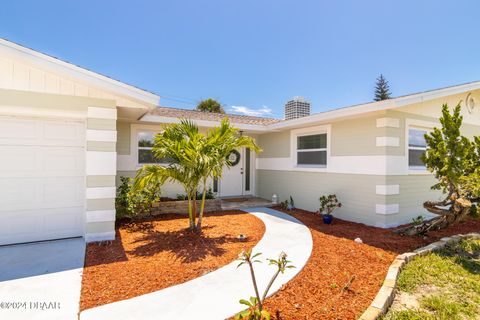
(129, 203)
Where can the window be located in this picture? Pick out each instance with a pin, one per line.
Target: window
(247, 169)
(145, 145)
(312, 150)
(416, 148)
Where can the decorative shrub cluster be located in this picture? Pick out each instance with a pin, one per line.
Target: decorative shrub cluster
(129, 203)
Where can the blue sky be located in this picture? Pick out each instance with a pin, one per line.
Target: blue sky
(257, 54)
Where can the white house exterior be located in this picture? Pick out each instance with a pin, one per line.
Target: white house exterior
(67, 134)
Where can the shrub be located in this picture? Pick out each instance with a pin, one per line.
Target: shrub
(418, 220)
(288, 204)
(328, 204)
(129, 203)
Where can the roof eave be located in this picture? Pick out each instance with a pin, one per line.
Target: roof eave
(71, 70)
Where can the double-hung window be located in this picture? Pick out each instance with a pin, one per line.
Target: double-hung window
(416, 148)
(312, 150)
(145, 146)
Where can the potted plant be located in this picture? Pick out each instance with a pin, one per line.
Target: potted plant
(327, 205)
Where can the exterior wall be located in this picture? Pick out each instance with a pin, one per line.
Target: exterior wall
(101, 170)
(128, 155)
(100, 164)
(355, 192)
(274, 145)
(367, 165)
(123, 138)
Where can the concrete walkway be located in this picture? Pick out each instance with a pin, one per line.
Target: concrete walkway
(42, 279)
(216, 294)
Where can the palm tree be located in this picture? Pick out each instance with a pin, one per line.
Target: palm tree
(210, 105)
(219, 143)
(195, 158)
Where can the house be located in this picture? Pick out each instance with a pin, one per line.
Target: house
(67, 134)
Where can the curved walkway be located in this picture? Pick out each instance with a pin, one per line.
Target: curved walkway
(216, 294)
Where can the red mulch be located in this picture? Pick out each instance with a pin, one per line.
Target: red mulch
(153, 254)
(316, 292)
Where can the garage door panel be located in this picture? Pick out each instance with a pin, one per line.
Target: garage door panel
(42, 179)
(30, 193)
(64, 161)
(25, 132)
(29, 161)
(44, 224)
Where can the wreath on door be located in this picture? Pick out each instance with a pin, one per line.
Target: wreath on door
(233, 158)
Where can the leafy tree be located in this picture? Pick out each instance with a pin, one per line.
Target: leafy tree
(455, 162)
(195, 158)
(382, 89)
(210, 105)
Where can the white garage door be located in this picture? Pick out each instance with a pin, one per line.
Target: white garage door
(42, 179)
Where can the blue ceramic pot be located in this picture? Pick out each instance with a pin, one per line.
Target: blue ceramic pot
(327, 218)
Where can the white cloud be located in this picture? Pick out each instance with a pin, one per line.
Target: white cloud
(263, 111)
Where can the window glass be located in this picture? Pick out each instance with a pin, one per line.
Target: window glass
(416, 148)
(312, 158)
(416, 138)
(312, 150)
(145, 145)
(247, 169)
(317, 141)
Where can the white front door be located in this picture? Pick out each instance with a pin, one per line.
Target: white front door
(231, 183)
(42, 179)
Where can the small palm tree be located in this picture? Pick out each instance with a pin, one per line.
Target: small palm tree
(195, 158)
(219, 143)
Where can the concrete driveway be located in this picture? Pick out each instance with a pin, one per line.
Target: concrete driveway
(41, 280)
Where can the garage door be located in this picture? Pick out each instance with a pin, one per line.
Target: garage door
(42, 179)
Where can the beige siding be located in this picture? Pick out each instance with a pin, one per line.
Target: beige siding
(123, 138)
(356, 192)
(101, 124)
(433, 108)
(414, 191)
(100, 181)
(100, 204)
(274, 145)
(106, 146)
(51, 101)
(357, 137)
(99, 227)
(468, 129)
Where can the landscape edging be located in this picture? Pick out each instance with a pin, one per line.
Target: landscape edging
(386, 294)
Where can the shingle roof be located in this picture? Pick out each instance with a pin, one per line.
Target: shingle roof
(209, 116)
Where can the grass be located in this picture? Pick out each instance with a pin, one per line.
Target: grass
(446, 284)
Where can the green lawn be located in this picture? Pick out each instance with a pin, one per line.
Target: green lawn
(443, 286)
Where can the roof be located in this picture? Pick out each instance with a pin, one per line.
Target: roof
(162, 114)
(359, 109)
(72, 70)
(209, 116)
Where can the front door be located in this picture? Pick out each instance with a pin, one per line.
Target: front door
(232, 182)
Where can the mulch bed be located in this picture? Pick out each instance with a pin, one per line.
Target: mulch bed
(318, 292)
(154, 254)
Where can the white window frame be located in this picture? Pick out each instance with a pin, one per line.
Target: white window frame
(294, 134)
(416, 125)
(135, 129)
